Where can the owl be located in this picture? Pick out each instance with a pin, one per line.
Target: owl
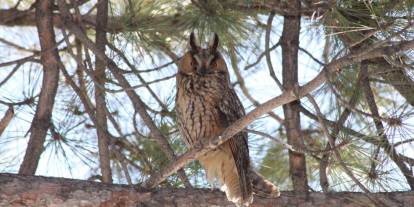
(206, 104)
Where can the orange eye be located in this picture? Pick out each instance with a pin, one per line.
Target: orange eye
(213, 64)
(193, 63)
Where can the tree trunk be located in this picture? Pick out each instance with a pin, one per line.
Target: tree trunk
(100, 78)
(290, 47)
(17, 190)
(50, 61)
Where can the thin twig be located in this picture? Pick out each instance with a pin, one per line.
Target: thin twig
(298, 149)
(408, 174)
(240, 80)
(311, 56)
(141, 85)
(332, 144)
(267, 51)
(259, 58)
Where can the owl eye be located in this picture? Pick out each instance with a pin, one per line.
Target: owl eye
(193, 64)
(213, 64)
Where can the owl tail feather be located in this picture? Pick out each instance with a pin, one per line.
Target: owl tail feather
(263, 187)
(221, 168)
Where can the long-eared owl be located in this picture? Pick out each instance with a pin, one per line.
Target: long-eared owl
(206, 104)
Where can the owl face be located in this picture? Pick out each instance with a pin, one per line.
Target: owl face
(203, 61)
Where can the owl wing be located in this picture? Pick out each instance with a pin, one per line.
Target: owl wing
(231, 109)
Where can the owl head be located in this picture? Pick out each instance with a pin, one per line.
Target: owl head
(200, 61)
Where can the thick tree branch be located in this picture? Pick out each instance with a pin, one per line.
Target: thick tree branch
(18, 190)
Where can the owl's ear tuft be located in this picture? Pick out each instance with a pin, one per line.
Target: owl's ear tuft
(193, 42)
(214, 43)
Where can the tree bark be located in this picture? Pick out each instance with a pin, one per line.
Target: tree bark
(290, 47)
(50, 61)
(6, 119)
(17, 190)
(100, 78)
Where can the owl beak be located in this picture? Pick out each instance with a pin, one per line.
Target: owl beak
(201, 70)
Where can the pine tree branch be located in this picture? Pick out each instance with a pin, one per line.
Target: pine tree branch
(138, 104)
(388, 148)
(323, 164)
(16, 190)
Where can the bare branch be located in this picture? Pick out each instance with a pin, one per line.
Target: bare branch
(267, 51)
(259, 58)
(50, 61)
(240, 80)
(6, 119)
(298, 149)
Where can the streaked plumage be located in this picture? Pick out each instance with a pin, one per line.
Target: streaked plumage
(206, 104)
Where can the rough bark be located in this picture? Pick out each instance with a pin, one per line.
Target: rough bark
(17, 190)
(6, 119)
(100, 78)
(290, 47)
(50, 61)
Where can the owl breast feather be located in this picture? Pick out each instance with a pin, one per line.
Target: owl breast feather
(197, 106)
